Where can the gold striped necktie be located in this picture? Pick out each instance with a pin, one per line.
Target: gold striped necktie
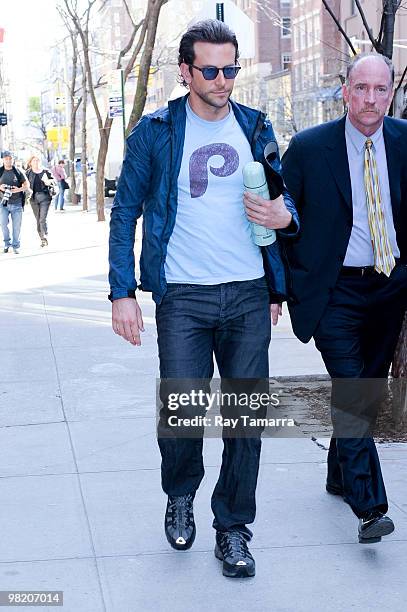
(383, 256)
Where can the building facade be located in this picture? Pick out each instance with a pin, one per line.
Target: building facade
(272, 22)
(317, 61)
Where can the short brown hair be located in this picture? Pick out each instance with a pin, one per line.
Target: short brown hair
(211, 31)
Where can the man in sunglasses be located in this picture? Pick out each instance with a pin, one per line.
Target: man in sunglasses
(183, 173)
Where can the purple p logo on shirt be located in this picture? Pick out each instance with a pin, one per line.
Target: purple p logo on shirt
(198, 166)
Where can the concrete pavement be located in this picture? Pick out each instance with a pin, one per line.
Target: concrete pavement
(81, 504)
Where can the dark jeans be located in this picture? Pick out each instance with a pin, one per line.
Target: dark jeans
(40, 205)
(230, 321)
(357, 336)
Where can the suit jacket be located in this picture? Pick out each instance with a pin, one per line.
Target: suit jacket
(316, 173)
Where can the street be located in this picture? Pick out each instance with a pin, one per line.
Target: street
(82, 508)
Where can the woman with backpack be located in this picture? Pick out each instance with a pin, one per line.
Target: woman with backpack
(42, 186)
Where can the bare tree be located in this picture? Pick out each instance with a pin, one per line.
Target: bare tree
(38, 119)
(390, 8)
(84, 153)
(399, 369)
(75, 100)
(144, 30)
(153, 13)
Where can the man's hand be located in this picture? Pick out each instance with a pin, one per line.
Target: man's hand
(276, 310)
(127, 320)
(2, 188)
(269, 213)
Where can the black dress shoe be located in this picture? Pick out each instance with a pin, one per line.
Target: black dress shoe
(373, 527)
(179, 521)
(231, 548)
(334, 489)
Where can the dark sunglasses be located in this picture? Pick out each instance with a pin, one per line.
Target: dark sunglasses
(210, 73)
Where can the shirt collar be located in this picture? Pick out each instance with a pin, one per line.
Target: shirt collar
(358, 139)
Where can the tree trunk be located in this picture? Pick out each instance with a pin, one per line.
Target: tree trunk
(72, 186)
(100, 170)
(84, 154)
(74, 110)
(81, 25)
(389, 13)
(399, 367)
(145, 64)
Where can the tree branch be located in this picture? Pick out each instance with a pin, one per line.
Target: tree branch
(367, 28)
(129, 45)
(130, 16)
(338, 25)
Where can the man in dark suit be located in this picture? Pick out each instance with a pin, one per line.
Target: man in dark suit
(348, 269)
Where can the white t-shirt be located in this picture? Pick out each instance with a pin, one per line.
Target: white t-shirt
(211, 242)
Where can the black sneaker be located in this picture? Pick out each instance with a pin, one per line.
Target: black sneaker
(179, 521)
(6, 249)
(231, 548)
(373, 527)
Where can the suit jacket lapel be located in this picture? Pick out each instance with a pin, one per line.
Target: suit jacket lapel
(337, 157)
(392, 142)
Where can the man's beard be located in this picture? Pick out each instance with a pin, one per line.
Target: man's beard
(212, 101)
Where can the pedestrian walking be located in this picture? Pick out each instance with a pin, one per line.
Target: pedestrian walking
(13, 185)
(60, 176)
(42, 186)
(349, 271)
(205, 272)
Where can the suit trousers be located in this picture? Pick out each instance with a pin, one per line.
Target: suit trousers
(230, 321)
(357, 336)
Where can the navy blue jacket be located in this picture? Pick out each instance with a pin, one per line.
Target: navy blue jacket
(148, 186)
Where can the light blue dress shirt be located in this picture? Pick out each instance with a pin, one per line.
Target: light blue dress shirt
(360, 250)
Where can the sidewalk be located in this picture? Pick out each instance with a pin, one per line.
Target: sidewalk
(81, 504)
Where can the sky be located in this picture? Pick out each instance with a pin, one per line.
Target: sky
(31, 28)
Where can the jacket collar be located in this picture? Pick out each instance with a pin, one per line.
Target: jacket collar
(175, 113)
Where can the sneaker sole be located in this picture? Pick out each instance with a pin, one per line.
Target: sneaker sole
(233, 571)
(375, 532)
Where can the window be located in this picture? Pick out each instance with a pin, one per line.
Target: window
(286, 61)
(317, 32)
(303, 35)
(285, 2)
(286, 30)
(352, 7)
(310, 34)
